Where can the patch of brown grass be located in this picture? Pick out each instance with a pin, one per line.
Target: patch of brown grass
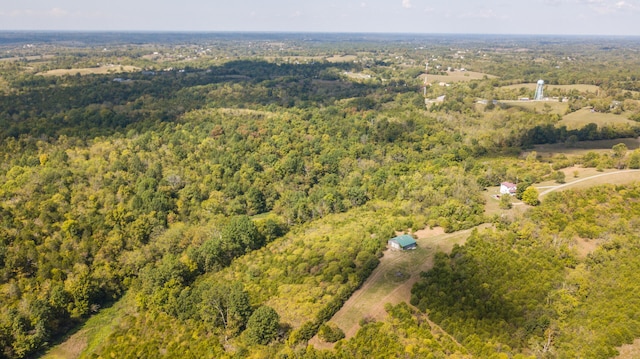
(585, 246)
(629, 351)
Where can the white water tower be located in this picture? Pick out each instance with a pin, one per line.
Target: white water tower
(539, 95)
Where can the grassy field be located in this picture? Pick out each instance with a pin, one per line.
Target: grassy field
(555, 107)
(93, 70)
(92, 333)
(582, 147)
(584, 116)
(457, 76)
(532, 87)
(341, 58)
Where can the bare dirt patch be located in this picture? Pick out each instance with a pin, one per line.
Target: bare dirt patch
(629, 351)
(585, 246)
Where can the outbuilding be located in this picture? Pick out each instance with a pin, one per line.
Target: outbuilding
(403, 242)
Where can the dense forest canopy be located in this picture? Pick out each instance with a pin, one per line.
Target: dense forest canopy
(227, 193)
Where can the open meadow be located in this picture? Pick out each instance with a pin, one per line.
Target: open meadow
(582, 117)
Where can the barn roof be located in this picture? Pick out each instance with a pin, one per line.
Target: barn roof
(404, 240)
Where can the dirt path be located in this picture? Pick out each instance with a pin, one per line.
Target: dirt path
(392, 280)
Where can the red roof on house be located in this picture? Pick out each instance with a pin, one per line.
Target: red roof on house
(508, 184)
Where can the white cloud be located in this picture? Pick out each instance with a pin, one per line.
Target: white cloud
(625, 5)
(363, 4)
(406, 4)
(610, 6)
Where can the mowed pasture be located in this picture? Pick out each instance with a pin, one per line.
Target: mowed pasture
(582, 117)
(341, 58)
(457, 76)
(577, 87)
(102, 70)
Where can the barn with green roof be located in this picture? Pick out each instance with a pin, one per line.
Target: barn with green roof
(403, 242)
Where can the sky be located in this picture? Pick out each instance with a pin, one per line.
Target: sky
(553, 17)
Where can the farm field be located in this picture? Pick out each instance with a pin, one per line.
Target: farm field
(102, 70)
(457, 76)
(585, 116)
(341, 58)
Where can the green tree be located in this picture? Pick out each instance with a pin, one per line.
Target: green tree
(505, 201)
(242, 235)
(521, 187)
(530, 196)
(634, 160)
(330, 333)
(263, 326)
(226, 306)
(619, 151)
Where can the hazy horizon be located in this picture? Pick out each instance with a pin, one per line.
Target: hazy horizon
(537, 17)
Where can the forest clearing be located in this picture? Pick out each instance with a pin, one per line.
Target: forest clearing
(392, 280)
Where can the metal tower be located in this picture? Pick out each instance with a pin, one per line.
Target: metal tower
(539, 95)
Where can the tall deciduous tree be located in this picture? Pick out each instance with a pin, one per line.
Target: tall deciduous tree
(263, 326)
(530, 196)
